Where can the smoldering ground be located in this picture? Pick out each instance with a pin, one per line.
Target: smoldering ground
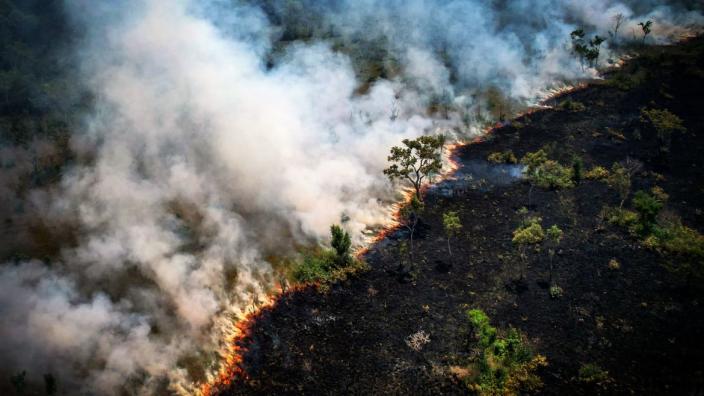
(223, 134)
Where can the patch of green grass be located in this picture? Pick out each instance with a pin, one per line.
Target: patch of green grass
(322, 266)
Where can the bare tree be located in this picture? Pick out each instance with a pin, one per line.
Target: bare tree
(618, 21)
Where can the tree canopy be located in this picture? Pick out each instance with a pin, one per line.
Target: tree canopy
(417, 160)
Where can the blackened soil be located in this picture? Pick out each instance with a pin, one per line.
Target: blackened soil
(640, 322)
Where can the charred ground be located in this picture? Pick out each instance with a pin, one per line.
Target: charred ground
(641, 323)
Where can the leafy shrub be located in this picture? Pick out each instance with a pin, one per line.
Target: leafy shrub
(556, 292)
(682, 246)
(664, 122)
(506, 157)
(316, 266)
(341, 243)
(529, 232)
(619, 216)
(323, 266)
(614, 264)
(553, 175)
(577, 169)
(591, 373)
(648, 208)
(506, 365)
(597, 173)
(572, 106)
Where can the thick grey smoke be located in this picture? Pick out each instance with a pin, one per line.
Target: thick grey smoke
(210, 151)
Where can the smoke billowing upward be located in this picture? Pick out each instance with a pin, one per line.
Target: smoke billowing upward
(226, 133)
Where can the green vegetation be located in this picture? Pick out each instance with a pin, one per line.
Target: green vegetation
(341, 243)
(319, 265)
(591, 373)
(506, 365)
(577, 169)
(546, 173)
(597, 173)
(620, 178)
(452, 226)
(552, 175)
(506, 157)
(586, 50)
(648, 207)
(556, 292)
(408, 217)
(665, 124)
(418, 160)
(614, 265)
(571, 106)
(554, 237)
(528, 233)
(681, 247)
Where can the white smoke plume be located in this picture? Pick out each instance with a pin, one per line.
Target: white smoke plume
(201, 161)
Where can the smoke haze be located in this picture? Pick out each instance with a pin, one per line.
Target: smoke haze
(217, 143)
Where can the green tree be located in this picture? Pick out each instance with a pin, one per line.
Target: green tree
(554, 237)
(341, 243)
(545, 173)
(586, 50)
(648, 208)
(620, 178)
(528, 233)
(452, 225)
(409, 217)
(533, 161)
(577, 169)
(419, 159)
(665, 124)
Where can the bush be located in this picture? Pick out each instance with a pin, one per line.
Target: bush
(506, 365)
(614, 264)
(597, 173)
(577, 169)
(593, 374)
(316, 266)
(529, 232)
(556, 292)
(321, 266)
(682, 246)
(506, 157)
(648, 208)
(553, 175)
(664, 122)
(620, 217)
(571, 105)
(341, 242)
